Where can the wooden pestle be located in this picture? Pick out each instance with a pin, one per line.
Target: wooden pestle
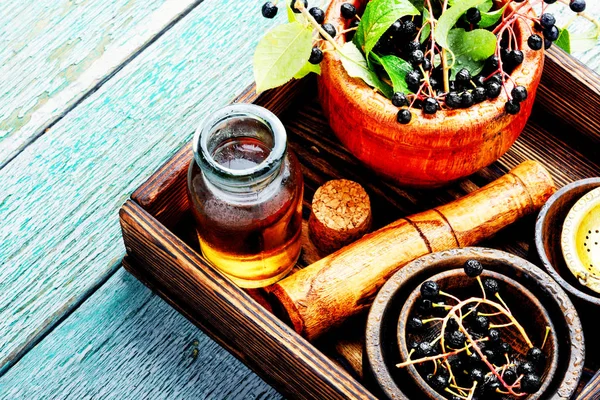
(327, 292)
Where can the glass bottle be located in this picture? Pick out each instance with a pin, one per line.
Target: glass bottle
(245, 191)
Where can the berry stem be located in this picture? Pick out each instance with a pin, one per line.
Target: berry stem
(436, 357)
(300, 6)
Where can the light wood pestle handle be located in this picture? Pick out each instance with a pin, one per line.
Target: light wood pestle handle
(344, 283)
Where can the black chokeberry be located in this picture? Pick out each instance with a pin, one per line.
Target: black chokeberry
(317, 14)
(453, 101)
(536, 356)
(473, 268)
(409, 28)
(549, 1)
(455, 362)
(316, 56)
(473, 15)
(434, 83)
(494, 335)
(577, 5)
(547, 20)
(413, 78)
(496, 78)
(481, 324)
(456, 339)
(399, 99)
(478, 80)
(519, 93)
(413, 46)
(416, 57)
(531, 383)
(463, 76)
(466, 100)
(415, 324)
(396, 28)
(423, 349)
(492, 63)
(479, 94)
(330, 29)
(426, 64)
(438, 382)
(477, 375)
(452, 85)
(451, 325)
(512, 107)
(269, 10)
(404, 116)
(547, 44)
(426, 305)
(430, 290)
(491, 384)
(430, 106)
(348, 10)
(535, 42)
(293, 5)
(505, 348)
(526, 368)
(493, 89)
(491, 286)
(551, 33)
(515, 57)
(510, 376)
(473, 359)
(492, 355)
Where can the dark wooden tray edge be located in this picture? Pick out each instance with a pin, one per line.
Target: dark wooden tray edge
(229, 315)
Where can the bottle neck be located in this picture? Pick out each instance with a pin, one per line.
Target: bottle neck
(240, 149)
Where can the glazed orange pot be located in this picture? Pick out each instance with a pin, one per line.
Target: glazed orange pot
(431, 150)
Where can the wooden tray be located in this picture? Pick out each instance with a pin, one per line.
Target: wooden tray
(563, 133)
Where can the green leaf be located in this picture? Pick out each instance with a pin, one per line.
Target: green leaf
(564, 40)
(471, 49)
(280, 54)
(307, 69)
(490, 18)
(483, 7)
(356, 66)
(450, 18)
(293, 17)
(584, 41)
(396, 69)
(426, 31)
(379, 15)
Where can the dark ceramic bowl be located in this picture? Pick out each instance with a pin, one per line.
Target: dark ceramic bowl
(382, 348)
(548, 231)
(526, 308)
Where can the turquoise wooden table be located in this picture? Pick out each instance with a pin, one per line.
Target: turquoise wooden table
(95, 96)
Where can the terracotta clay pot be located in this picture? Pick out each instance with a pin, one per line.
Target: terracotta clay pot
(431, 150)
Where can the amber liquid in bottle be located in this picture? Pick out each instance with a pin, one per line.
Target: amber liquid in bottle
(254, 240)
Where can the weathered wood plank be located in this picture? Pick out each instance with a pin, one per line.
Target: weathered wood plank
(59, 237)
(125, 331)
(54, 53)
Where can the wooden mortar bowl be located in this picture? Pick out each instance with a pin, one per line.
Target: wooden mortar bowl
(382, 349)
(548, 230)
(431, 150)
(526, 308)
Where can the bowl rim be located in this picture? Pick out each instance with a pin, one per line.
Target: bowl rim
(480, 114)
(582, 207)
(389, 289)
(539, 224)
(492, 274)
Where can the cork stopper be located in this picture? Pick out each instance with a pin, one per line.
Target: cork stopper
(341, 214)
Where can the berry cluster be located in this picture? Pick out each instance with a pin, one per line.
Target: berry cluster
(434, 81)
(469, 358)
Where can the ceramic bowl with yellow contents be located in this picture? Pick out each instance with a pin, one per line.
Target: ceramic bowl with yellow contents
(580, 240)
